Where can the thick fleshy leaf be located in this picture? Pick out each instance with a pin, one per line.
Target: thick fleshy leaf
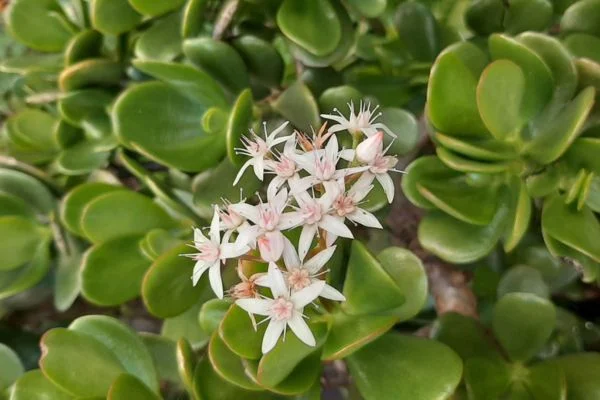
(19, 238)
(85, 157)
(67, 278)
(404, 124)
(576, 229)
(312, 24)
(239, 335)
(75, 201)
(162, 41)
(86, 44)
(33, 129)
(112, 271)
(527, 15)
(186, 326)
(91, 72)
(15, 206)
(220, 60)
(78, 363)
(585, 46)
(261, 58)
(457, 241)
(228, 364)
(451, 94)
(27, 188)
(552, 138)
(122, 213)
(157, 242)
(420, 172)
(11, 367)
(519, 215)
(193, 17)
(18, 280)
(31, 63)
(238, 123)
(482, 149)
(523, 279)
(500, 93)
(35, 386)
(487, 379)
(113, 17)
(39, 24)
(369, 288)
(581, 372)
(523, 322)
(186, 362)
(169, 133)
(459, 163)
(547, 381)
(128, 387)
(369, 8)
(583, 153)
(398, 366)
(279, 363)
(583, 16)
(123, 343)
(212, 313)
(338, 98)
(175, 272)
(77, 107)
(155, 7)
(298, 105)
(538, 78)
(419, 30)
(163, 353)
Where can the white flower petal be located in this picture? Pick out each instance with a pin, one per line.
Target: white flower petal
(247, 235)
(232, 250)
(272, 334)
(364, 218)
(214, 275)
(247, 211)
(199, 236)
(330, 239)
(331, 149)
(306, 161)
(319, 260)
(278, 285)
(347, 154)
(335, 226)
(307, 295)
(279, 200)
(259, 167)
(199, 269)
(242, 170)
(270, 246)
(215, 226)
(368, 149)
(277, 141)
(301, 329)
(290, 256)
(299, 185)
(329, 292)
(290, 220)
(365, 179)
(277, 131)
(306, 237)
(263, 280)
(387, 184)
(255, 306)
(275, 185)
(380, 125)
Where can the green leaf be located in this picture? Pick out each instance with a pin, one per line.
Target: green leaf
(527, 15)
(220, 60)
(76, 200)
(520, 215)
(279, 363)
(163, 353)
(500, 92)
(27, 188)
(86, 44)
(338, 98)
(19, 238)
(487, 379)
(31, 63)
(418, 30)
(128, 387)
(123, 343)
(239, 335)
(162, 41)
(369, 8)
(212, 313)
(261, 58)
(11, 367)
(90, 72)
(369, 288)
(155, 7)
(78, 107)
(34, 129)
(405, 367)
(18, 280)
(451, 94)
(553, 137)
(422, 171)
(482, 149)
(85, 157)
(583, 16)
(39, 24)
(312, 24)
(186, 362)
(113, 17)
(584, 46)
(238, 123)
(167, 131)
(404, 124)
(67, 278)
(547, 381)
(228, 364)
(523, 279)
(186, 325)
(193, 17)
(78, 363)
(112, 271)
(575, 229)
(523, 322)
(298, 105)
(15, 206)
(464, 164)
(35, 386)
(122, 213)
(457, 241)
(538, 78)
(581, 372)
(171, 271)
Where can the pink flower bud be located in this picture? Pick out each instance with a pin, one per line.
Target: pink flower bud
(271, 245)
(368, 150)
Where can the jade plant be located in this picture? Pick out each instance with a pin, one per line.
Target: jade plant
(284, 199)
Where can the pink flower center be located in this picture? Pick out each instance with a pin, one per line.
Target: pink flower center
(344, 205)
(325, 169)
(285, 167)
(231, 219)
(269, 218)
(382, 164)
(244, 290)
(299, 278)
(208, 252)
(282, 309)
(258, 148)
(312, 213)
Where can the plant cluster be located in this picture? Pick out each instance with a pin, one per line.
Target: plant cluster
(285, 199)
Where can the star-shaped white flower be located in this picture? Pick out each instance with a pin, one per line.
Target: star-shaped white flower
(269, 220)
(212, 252)
(300, 274)
(363, 122)
(258, 149)
(315, 214)
(284, 167)
(284, 309)
(346, 205)
(372, 153)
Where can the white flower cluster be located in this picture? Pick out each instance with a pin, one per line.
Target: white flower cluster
(315, 186)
